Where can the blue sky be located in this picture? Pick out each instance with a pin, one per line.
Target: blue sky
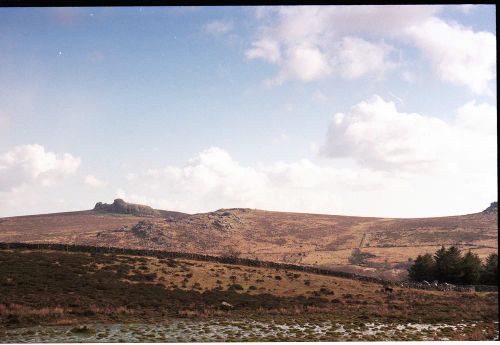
(194, 109)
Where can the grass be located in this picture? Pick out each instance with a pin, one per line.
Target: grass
(50, 287)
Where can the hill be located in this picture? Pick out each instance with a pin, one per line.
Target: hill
(46, 287)
(370, 246)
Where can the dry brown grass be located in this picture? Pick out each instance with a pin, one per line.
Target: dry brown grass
(23, 310)
(305, 239)
(51, 286)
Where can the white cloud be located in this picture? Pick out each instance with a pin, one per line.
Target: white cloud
(375, 133)
(357, 57)
(266, 49)
(213, 179)
(314, 42)
(378, 136)
(310, 43)
(458, 54)
(33, 180)
(218, 27)
(92, 181)
(306, 63)
(29, 163)
(479, 118)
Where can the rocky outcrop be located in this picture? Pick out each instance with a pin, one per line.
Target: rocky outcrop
(223, 219)
(120, 206)
(493, 208)
(150, 231)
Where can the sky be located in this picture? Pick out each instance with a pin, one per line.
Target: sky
(385, 111)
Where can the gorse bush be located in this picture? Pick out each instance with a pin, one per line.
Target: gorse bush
(448, 265)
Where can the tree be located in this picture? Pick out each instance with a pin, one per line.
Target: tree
(440, 266)
(448, 265)
(470, 269)
(489, 274)
(423, 268)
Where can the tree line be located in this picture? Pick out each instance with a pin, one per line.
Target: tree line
(450, 266)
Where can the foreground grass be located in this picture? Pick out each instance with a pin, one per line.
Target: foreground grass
(59, 288)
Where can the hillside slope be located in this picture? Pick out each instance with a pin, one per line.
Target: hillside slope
(44, 287)
(384, 244)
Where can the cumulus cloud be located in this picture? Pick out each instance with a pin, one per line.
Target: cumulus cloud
(479, 118)
(92, 181)
(213, 179)
(29, 163)
(399, 178)
(305, 63)
(310, 43)
(357, 57)
(218, 27)
(458, 54)
(315, 42)
(378, 136)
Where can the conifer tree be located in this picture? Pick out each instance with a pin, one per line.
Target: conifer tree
(470, 269)
(489, 274)
(422, 269)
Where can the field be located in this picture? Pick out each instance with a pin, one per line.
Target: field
(306, 239)
(62, 290)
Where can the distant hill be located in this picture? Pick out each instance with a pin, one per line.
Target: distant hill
(370, 246)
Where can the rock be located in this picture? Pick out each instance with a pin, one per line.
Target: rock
(120, 206)
(221, 224)
(493, 208)
(149, 230)
(226, 305)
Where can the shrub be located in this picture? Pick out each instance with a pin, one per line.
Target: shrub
(235, 287)
(359, 258)
(326, 291)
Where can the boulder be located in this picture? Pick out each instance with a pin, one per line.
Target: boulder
(227, 305)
